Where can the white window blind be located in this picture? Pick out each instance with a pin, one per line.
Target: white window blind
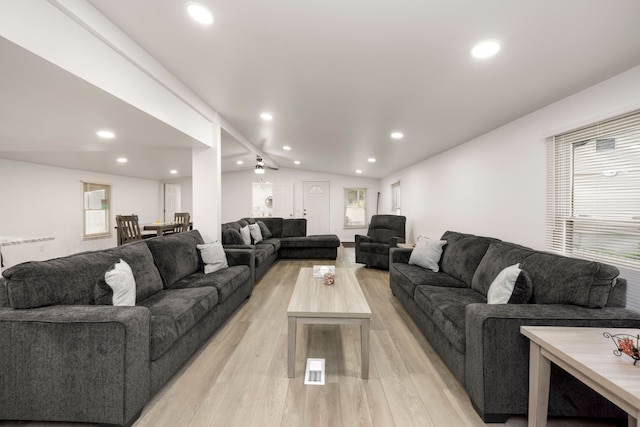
(594, 193)
(395, 198)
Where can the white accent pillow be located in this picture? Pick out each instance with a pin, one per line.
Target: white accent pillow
(427, 253)
(255, 232)
(120, 279)
(502, 286)
(246, 235)
(213, 256)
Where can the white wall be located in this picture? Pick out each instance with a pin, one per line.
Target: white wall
(42, 200)
(495, 185)
(236, 195)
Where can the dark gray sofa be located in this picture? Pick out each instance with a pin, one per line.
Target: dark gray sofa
(285, 238)
(65, 358)
(481, 343)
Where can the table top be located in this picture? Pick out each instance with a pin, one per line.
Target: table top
(159, 225)
(13, 240)
(588, 351)
(312, 298)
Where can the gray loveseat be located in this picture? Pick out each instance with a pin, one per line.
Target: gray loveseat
(481, 343)
(283, 238)
(63, 357)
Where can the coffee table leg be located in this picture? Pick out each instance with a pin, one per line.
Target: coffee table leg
(539, 379)
(291, 360)
(364, 338)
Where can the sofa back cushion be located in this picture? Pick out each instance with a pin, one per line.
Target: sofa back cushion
(562, 280)
(145, 272)
(383, 228)
(275, 225)
(176, 255)
(294, 227)
(462, 255)
(499, 255)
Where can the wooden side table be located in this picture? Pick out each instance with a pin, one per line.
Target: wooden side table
(587, 355)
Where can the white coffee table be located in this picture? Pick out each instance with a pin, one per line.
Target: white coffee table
(587, 355)
(313, 302)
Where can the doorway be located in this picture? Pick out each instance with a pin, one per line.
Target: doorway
(315, 205)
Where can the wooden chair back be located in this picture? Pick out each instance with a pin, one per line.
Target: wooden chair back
(182, 221)
(128, 229)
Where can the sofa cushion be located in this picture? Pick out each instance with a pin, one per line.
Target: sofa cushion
(231, 236)
(462, 254)
(409, 276)
(266, 233)
(315, 241)
(511, 286)
(263, 252)
(562, 280)
(276, 243)
(145, 272)
(174, 312)
(427, 253)
(176, 255)
(274, 224)
(499, 255)
(226, 281)
(294, 227)
(213, 257)
(446, 308)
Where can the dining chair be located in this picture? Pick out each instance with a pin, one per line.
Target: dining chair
(182, 221)
(128, 229)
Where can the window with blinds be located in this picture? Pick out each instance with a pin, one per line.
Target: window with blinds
(96, 202)
(395, 198)
(594, 192)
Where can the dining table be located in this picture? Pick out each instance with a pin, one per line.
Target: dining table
(160, 227)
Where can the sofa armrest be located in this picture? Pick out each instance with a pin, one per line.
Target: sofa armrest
(400, 255)
(242, 257)
(361, 238)
(74, 363)
(497, 354)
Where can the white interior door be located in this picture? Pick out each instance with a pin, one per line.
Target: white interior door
(283, 199)
(315, 204)
(172, 201)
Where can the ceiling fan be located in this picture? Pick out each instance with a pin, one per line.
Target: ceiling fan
(260, 166)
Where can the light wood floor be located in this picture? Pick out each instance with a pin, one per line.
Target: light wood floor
(239, 377)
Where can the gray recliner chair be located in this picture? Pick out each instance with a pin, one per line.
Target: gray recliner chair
(385, 231)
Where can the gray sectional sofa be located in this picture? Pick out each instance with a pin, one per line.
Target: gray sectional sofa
(65, 357)
(481, 343)
(283, 238)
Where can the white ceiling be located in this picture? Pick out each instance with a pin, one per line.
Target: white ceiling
(338, 77)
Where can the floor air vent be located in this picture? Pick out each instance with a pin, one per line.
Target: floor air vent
(314, 374)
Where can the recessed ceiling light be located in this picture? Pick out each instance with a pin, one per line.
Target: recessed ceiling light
(122, 160)
(286, 148)
(106, 134)
(200, 13)
(173, 171)
(397, 135)
(485, 49)
(296, 162)
(239, 162)
(266, 116)
(358, 171)
(371, 160)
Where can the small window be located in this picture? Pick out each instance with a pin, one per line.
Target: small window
(96, 202)
(395, 198)
(355, 212)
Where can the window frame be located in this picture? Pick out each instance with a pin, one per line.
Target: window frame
(360, 190)
(88, 187)
(395, 198)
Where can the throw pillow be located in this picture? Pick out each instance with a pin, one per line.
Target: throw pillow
(266, 233)
(256, 235)
(511, 286)
(213, 256)
(427, 253)
(246, 235)
(119, 279)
